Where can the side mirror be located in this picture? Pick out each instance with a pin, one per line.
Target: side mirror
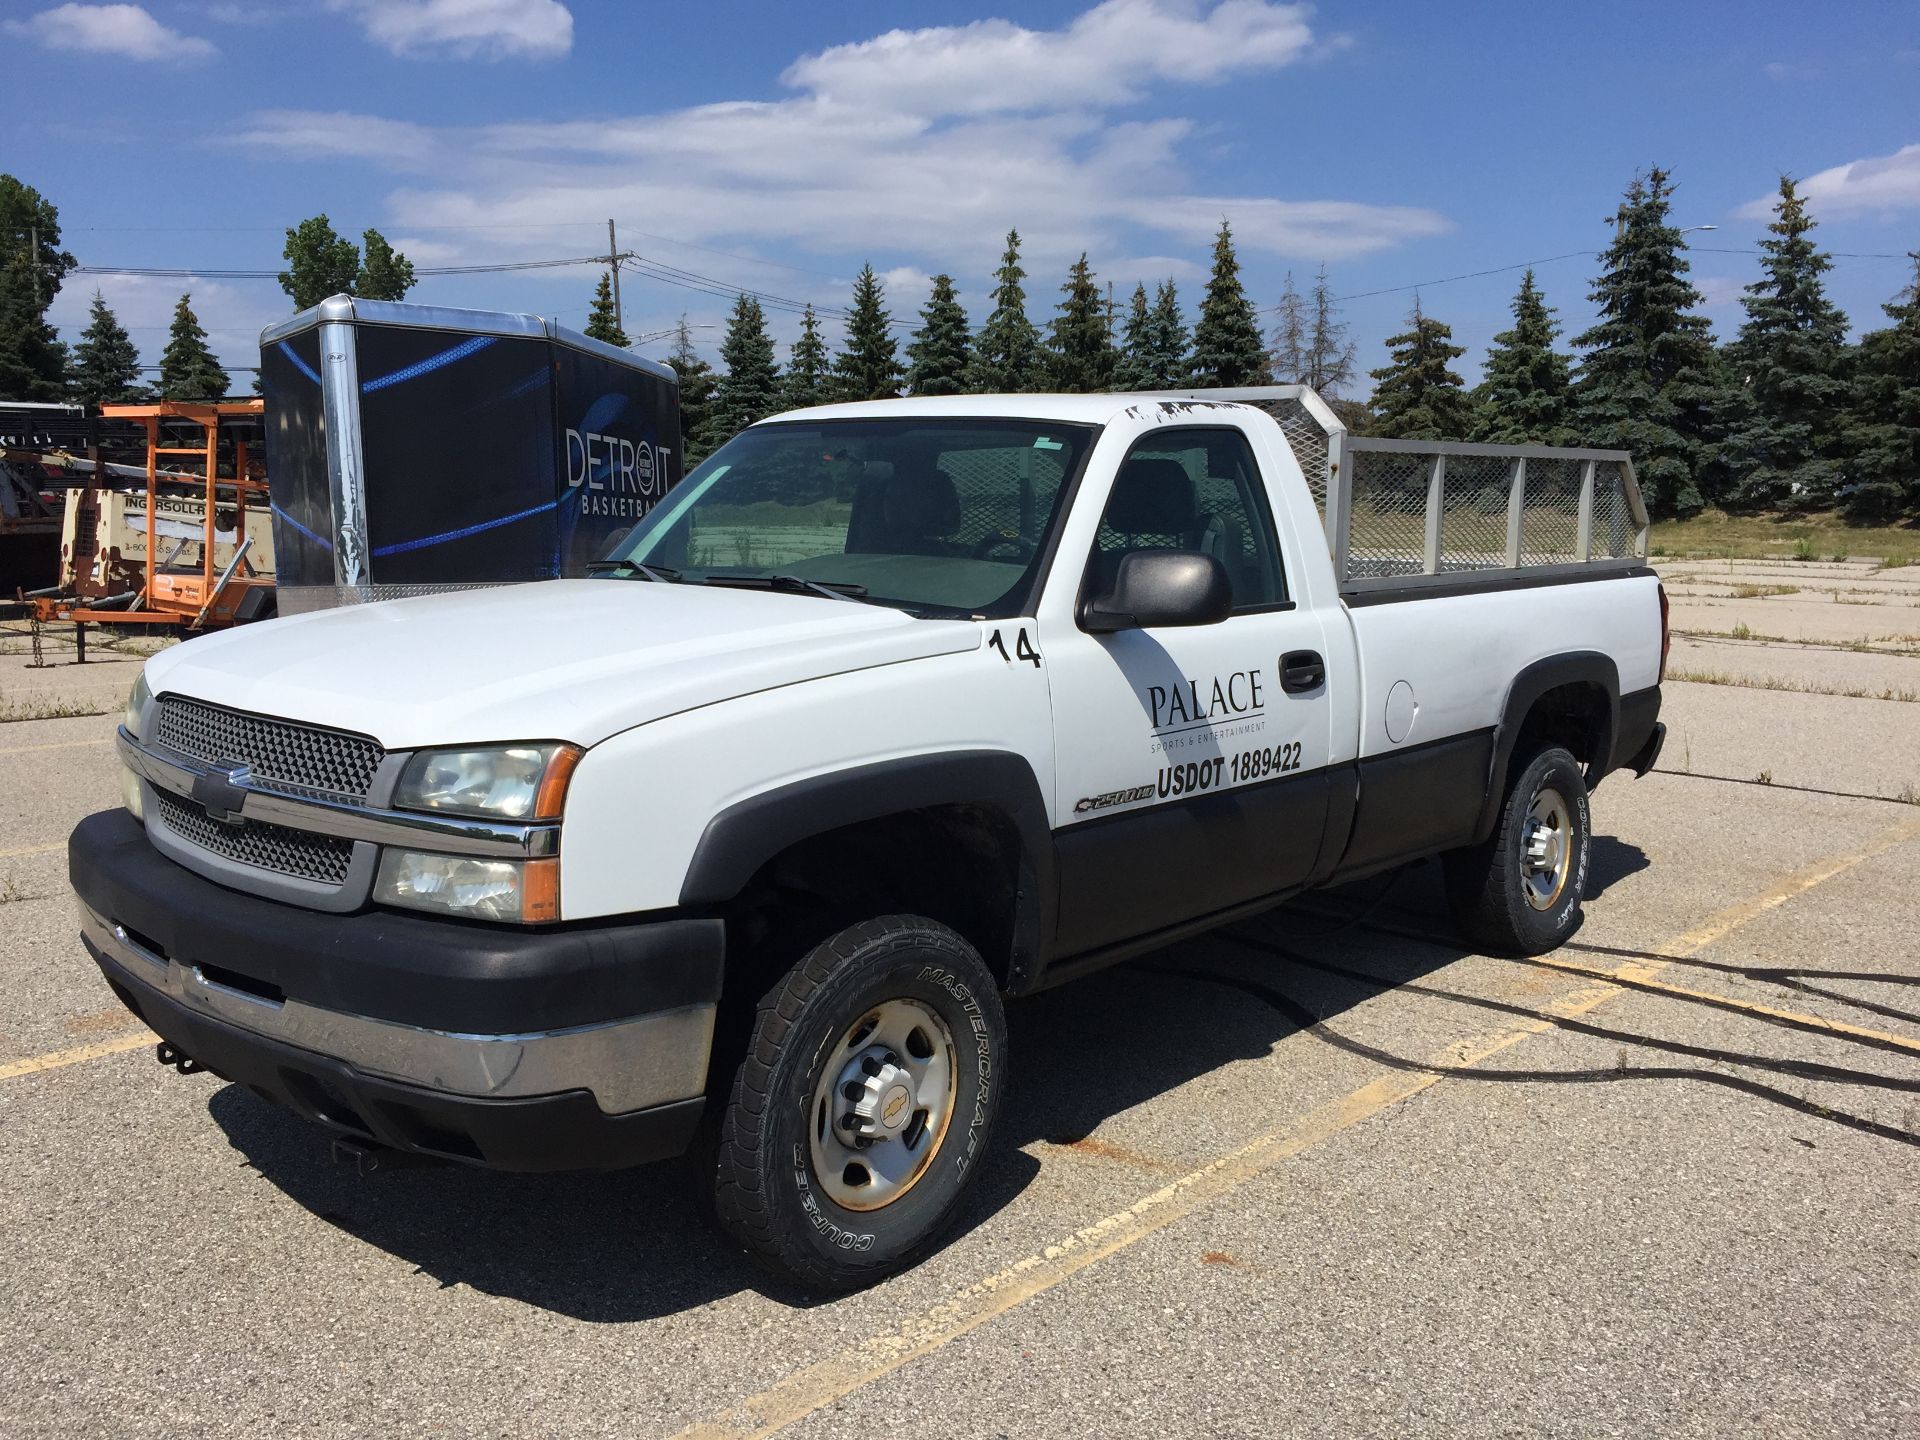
(1153, 588)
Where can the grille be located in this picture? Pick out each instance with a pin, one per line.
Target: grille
(281, 754)
(299, 853)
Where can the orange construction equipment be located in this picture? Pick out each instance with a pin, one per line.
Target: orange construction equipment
(192, 598)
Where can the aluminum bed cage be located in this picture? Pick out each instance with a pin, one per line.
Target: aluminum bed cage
(1403, 514)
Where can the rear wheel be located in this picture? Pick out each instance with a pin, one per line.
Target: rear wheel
(1521, 889)
(863, 1106)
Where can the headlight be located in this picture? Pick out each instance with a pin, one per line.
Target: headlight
(520, 892)
(137, 701)
(497, 782)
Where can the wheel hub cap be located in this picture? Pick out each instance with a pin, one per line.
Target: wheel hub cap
(1547, 856)
(882, 1105)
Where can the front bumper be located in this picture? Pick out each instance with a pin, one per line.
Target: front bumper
(562, 1048)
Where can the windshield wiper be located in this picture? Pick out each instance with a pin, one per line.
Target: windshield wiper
(832, 589)
(662, 573)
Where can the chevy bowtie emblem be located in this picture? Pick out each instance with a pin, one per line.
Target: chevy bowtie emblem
(222, 791)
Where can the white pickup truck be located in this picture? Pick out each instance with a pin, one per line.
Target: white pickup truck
(887, 712)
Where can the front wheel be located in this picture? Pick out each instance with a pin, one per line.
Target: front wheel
(1521, 890)
(864, 1105)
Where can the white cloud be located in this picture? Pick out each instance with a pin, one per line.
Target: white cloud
(340, 135)
(126, 30)
(233, 314)
(1104, 57)
(465, 29)
(924, 169)
(1877, 184)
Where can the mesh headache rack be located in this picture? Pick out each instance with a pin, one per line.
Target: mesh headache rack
(1402, 513)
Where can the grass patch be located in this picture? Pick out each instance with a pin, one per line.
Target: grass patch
(11, 893)
(1794, 687)
(1760, 592)
(1714, 533)
(56, 709)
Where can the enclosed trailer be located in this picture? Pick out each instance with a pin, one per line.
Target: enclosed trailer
(413, 448)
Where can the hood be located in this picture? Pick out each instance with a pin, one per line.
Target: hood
(574, 660)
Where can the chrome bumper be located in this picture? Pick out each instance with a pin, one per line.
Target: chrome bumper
(626, 1064)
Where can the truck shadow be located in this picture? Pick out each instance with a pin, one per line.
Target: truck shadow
(633, 1245)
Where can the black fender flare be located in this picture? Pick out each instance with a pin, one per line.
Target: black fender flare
(745, 836)
(1577, 667)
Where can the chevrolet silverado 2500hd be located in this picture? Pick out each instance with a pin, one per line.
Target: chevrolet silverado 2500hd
(888, 712)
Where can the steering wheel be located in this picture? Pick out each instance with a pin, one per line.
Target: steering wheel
(1022, 548)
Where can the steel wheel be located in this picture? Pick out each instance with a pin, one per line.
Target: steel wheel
(883, 1104)
(1547, 859)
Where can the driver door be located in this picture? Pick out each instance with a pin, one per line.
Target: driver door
(1189, 761)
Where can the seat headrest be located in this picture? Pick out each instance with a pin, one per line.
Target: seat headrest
(1152, 495)
(921, 505)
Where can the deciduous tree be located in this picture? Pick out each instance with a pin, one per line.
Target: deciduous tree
(384, 273)
(33, 362)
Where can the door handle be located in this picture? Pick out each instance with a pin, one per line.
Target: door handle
(1302, 670)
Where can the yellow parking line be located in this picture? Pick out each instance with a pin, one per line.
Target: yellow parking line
(32, 850)
(34, 1064)
(56, 745)
(828, 1381)
(1752, 1007)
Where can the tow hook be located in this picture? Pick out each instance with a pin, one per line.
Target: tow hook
(167, 1053)
(367, 1159)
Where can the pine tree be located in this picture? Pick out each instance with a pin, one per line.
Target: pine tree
(1790, 361)
(1287, 356)
(1526, 395)
(384, 273)
(319, 263)
(1649, 383)
(807, 369)
(1169, 356)
(749, 385)
(940, 351)
(1330, 355)
(106, 362)
(33, 362)
(869, 367)
(1006, 353)
(1884, 428)
(600, 322)
(188, 369)
(1133, 369)
(696, 393)
(1419, 396)
(1079, 340)
(1226, 341)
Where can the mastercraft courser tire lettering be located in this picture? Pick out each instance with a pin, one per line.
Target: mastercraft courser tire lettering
(864, 1105)
(1520, 891)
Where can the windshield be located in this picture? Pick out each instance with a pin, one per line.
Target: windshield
(931, 516)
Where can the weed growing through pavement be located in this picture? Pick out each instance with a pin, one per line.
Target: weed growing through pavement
(10, 892)
(1805, 549)
(1765, 777)
(11, 710)
(1793, 687)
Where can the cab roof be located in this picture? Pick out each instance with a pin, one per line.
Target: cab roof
(1066, 409)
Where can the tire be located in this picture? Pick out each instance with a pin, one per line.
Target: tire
(1505, 897)
(902, 987)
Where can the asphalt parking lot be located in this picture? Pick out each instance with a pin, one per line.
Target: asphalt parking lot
(1328, 1173)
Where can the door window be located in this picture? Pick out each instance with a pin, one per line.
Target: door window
(1196, 489)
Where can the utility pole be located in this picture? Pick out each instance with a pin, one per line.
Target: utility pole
(33, 261)
(613, 264)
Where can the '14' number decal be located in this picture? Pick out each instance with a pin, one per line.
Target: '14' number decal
(1022, 648)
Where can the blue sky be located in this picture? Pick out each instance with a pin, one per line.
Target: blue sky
(777, 146)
